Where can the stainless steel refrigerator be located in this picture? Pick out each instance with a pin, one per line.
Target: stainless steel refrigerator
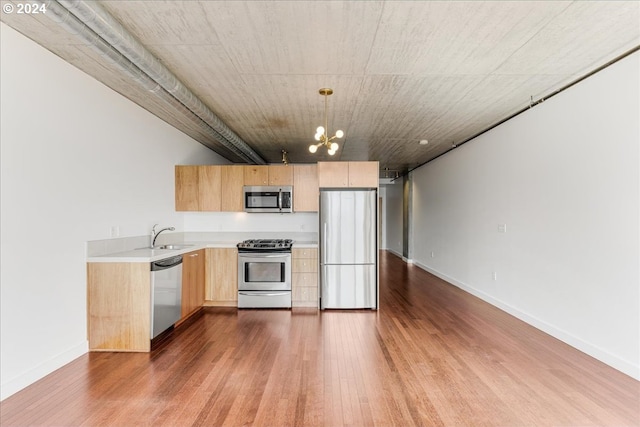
(348, 249)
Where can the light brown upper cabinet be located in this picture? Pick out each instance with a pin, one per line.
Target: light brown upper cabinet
(256, 175)
(232, 178)
(305, 188)
(187, 188)
(268, 175)
(209, 188)
(216, 188)
(348, 174)
(363, 174)
(280, 175)
(197, 188)
(333, 174)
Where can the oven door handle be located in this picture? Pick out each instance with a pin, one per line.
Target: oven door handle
(258, 255)
(264, 294)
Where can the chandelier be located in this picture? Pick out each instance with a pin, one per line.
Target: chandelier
(322, 131)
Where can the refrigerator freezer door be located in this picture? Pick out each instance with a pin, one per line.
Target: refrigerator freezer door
(348, 286)
(348, 227)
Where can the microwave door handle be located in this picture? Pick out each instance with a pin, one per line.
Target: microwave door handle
(280, 198)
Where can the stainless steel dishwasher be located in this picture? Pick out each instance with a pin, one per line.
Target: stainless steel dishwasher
(166, 294)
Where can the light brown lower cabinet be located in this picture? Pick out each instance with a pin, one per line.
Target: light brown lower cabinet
(119, 306)
(221, 277)
(304, 276)
(193, 270)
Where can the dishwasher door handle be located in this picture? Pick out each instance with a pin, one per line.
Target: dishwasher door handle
(163, 264)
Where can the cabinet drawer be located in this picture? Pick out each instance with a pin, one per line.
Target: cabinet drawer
(305, 293)
(305, 279)
(304, 253)
(304, 265)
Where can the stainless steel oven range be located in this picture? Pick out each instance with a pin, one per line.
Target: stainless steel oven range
(264, 273)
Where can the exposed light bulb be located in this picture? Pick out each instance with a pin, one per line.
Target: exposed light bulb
(313, 148)
(339, 134)
(317, 137)
(331, 152)
(320, 130)
(334, 147)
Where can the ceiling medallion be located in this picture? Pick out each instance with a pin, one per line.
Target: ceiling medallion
(322, 132)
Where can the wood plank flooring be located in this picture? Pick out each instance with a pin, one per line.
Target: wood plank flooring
(432, 355)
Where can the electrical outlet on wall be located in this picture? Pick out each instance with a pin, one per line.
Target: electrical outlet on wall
(433, 254)
(114, 231)
(502, 228)
(494, 275)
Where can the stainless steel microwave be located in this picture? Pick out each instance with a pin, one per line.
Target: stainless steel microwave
(277, 199)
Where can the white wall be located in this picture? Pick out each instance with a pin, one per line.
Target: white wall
(393, 217)
(77, 159)
(564, 179)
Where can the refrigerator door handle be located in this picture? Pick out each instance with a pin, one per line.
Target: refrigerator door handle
(324, 243)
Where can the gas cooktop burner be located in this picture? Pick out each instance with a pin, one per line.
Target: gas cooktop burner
(265, 245)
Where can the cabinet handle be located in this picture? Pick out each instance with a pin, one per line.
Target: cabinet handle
(193, 255)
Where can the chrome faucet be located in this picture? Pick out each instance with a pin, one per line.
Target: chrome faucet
(155, 235)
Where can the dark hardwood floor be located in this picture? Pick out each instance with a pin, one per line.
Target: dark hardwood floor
(432, 355)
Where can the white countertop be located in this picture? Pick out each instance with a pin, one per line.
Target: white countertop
(151, 255)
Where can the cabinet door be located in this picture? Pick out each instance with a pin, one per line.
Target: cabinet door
(222, 276)
(363, 174)
(333, 174)
(193, 265)
(119, 306)
(232, 180)
(197, 188)
(280, 175)
(305, 188)
(256, 175)
(186, 188)
(209, 187)
(187, 280)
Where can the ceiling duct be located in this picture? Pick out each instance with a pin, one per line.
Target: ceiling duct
(108, 37)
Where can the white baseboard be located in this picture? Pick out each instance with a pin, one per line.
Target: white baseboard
(602, 355)
(398, 254)
(14, 385)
